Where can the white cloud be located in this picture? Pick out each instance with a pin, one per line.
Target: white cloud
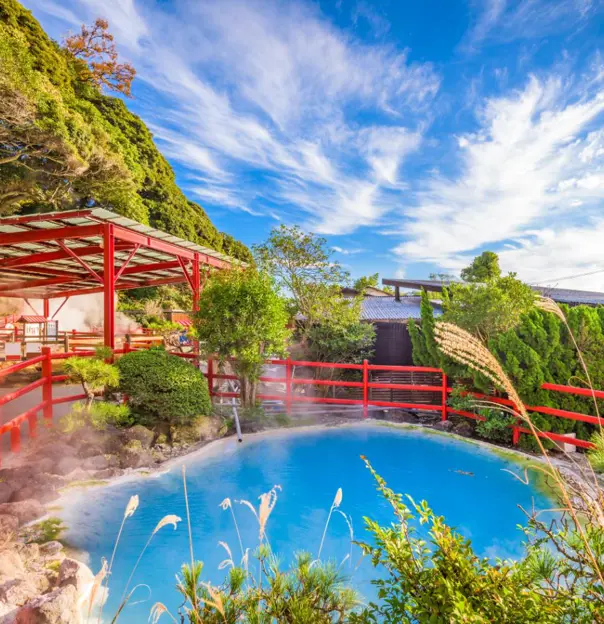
(346, 251)
(265, 89)
(536, 158)
(501, 21)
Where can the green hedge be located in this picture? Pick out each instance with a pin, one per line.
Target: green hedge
(163, 388)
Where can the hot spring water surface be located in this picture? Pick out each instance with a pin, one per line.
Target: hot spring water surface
(463, 482)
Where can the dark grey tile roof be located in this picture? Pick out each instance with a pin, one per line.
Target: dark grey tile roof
(561, 295)
(388, 309)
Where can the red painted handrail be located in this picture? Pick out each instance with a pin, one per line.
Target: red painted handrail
(13, 427)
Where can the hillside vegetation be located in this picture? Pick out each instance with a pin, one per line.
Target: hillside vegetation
(66, 145)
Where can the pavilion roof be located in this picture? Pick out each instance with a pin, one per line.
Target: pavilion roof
(60, 254)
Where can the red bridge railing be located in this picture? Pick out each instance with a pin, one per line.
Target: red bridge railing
(430, 393)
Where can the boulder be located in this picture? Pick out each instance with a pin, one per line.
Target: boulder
(138, 432)
(8, 525)
(59, 450)
(17, 592)
(11, 565)
(79, 474)
(444, 425)
(66, 465)
(44, 465)
(25, 511)
(463, 428)
(57, 607)
(98, 462)
(6, 491)
(75, 573)
(133, 457)
(108, 473)
(203, 428)
(52, 549)
(38, 491)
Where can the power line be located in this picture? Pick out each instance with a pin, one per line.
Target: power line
(562, 279)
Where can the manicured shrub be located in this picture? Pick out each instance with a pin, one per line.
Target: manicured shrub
(163, 388)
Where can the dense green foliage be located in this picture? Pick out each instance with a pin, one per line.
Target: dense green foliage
(163, 389)
(93, 374)
(538, 350)
(241, 316)
(63, 144)
(489, 308)
(596, 454)
(303, 268)
(439, 579)
(350, 342)
(484, 268)
(308, 592)
(99, 415)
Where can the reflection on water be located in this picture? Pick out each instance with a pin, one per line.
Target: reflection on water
(461, 481)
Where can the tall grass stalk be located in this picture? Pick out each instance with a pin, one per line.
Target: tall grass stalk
(166, 520)
(227, 504)
(336, 503)
(461, 346)
(190, 533)
(549, 305)
(131, 507)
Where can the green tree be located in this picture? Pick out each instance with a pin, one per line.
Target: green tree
(490, 308)
(484, 268)
(63, 144)
(308, 591)
(437, 579)
(241, 316)
(93, 374)
(302, 265)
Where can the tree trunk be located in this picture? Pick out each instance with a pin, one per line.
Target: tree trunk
(248, 392)
(89, 396)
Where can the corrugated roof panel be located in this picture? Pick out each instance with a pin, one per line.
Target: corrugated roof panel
(388, 309)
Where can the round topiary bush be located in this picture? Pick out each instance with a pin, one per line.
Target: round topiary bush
(163, 389)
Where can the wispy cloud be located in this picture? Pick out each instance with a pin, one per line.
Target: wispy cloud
(533, 173)
(501, 21)
(270, 91)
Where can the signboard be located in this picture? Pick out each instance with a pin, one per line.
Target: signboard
(32, 329)
(52, 329)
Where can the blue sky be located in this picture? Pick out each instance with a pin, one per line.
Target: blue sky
(413, 135)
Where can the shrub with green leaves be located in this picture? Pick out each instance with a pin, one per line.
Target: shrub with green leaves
(93, 374)
(100, 415)
(596, 455)
(163, 389)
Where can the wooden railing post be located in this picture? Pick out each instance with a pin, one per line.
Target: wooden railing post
(444, 398)
(365, 388)
(211, 376)
(288, 385)
(15, 439)
(47, 386)
(516, 432)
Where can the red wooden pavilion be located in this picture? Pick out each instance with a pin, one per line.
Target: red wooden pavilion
(64, 254)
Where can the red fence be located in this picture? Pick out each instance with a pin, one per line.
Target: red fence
(429, 393)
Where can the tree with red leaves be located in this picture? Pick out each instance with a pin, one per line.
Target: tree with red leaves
(95, 45)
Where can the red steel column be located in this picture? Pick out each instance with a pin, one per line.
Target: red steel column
(444, 398)
(211, 376)
(46, 303)
(196, 283)
(288, 385)
(109, 285)
(365, 388)
(47, 387)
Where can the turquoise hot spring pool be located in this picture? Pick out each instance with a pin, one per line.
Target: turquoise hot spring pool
(464, 482)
